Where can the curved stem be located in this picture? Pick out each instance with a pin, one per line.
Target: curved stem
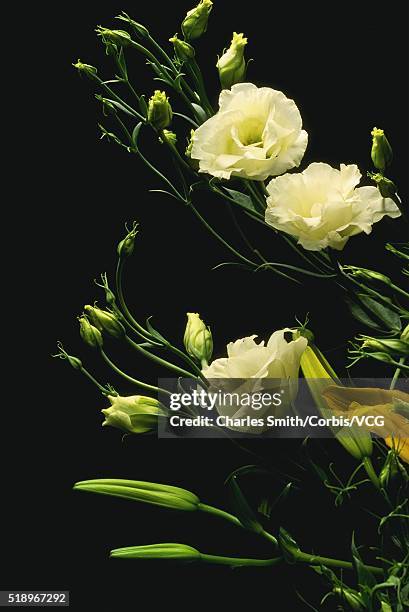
(159, 360)
(237, 562)
(220, 238)
(103, 389)
(129, 378)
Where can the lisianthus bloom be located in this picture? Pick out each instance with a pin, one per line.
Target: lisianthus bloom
(256, 133)
(386, 403)
(134, 414)
(323, 206)
(252, 367)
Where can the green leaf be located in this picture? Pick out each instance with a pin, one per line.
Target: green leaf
(288, 546)
(364, 577)
(385, 314)
(155, 332)
(241, 507)
(241, 199)
(200, 113)
(360, 315)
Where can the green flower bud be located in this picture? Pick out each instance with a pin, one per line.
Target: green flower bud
(387, 188)
(138, 27)
(390, 346)
(89, 333)
(405, 334)
(127, 245)
(135, 414)
(178, 552)
(105, 321)
(169, 137)
(73, 361)
(381, 152)
(188, 152)
(305, 333)
(166, 496)
(352, 598)
(389, 470)
(159, 110)
(89, 71)
(232, 65)
(369, 275)
(198, 338)
(183, 51)
(116, 37)
(195, 22)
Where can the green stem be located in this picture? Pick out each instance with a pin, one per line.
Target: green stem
(302, 557)
(369, 468)
(129, 378)
(141, 331)
(159, 360)
(233, 519)
(118, 99)
(397, 373)
(103, 389)
(237, 562)
(221, 239)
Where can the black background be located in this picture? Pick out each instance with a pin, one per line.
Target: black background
(344, 65)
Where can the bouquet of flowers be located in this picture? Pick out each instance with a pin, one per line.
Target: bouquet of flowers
(247, 153)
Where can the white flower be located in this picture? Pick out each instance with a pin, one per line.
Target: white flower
(257, 368)
(255, 134)
(323, 207)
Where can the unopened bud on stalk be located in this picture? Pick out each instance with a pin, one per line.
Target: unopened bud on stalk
(198, 338)
(232, 65)
(386, 345)
(105, 321)
(381, 152)
(89, 333)
(389, 470)
(195, 22)
(138, 27)
(183, 51)
(172, 552)
(166, 496)
(136, 414)
(116, 37)
(350, 597)
(127, 245)
(159, 110)
(72, 360)
(387, 188)
(169, 137)
(87, 69)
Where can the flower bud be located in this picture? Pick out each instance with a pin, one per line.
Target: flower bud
(127, 245)
(159, 110)
(89, 71)
(371, 275)
(105, 321)
(232, 65)
(178, 552)
(169, 137)
(136, 414)
(386, 345)
(72, 360)
(89, 333)
(352, 598)
(116, 37)
(195, 22)
(188, 152)
(198, 338)
(387, 188)
(183, 51)
(138, 27)
(405, 334)
(389, 470)
(166, 496)
(381, 152)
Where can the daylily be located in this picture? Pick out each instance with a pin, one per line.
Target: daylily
(388, 403)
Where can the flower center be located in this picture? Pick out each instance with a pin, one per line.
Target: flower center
(251, 132)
